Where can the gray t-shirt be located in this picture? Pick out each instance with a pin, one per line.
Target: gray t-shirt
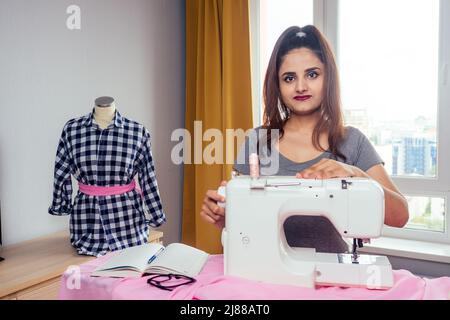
(309, 231)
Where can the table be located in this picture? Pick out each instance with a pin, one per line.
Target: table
(32, 269)
(211, 284)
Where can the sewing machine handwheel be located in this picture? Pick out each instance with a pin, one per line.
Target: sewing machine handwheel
(222, 191)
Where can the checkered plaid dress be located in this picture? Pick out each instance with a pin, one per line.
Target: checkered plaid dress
(109, 157)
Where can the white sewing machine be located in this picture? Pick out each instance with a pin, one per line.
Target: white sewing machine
(255, 245)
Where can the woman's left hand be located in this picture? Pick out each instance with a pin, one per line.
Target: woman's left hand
(327, 168)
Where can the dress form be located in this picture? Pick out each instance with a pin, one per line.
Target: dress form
(104, 111)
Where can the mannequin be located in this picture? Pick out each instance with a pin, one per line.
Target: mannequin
(104, 111)
(105, 152)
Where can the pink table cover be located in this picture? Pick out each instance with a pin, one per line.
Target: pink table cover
(211, 284)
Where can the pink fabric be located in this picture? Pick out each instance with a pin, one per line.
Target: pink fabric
(107, 191)
(211, 284)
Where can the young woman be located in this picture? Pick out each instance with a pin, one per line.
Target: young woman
(302, 101)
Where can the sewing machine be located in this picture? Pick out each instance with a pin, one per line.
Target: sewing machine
(255, 245)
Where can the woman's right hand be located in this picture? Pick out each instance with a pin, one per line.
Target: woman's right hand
(211, 212)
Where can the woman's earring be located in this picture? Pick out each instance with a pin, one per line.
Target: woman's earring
(283, 110)
(288, 113)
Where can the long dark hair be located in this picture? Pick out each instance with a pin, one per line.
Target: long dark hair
(331, 120)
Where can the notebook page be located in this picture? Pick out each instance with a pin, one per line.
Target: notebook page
(180, 258)
(135, 257)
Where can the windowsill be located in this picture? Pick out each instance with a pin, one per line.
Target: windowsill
(413, 249)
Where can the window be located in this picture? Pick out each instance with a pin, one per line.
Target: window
(389, 72)
(393, 62)
(274, 21)
(389, 76)
(271, 22)
(427, 213)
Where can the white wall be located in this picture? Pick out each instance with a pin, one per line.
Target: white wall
(132, 50)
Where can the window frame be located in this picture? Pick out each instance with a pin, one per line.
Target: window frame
(423, 235)
(326, 15)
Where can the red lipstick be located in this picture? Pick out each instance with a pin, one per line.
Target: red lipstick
(302, 98)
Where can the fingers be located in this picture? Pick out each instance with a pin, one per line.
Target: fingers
(213, 195)
(206, 217)
(209, 215)
(211, 204)
(220, 224)
(311, 174)
(322, 174)
(326, 169)
(317, 171)
(210, 211)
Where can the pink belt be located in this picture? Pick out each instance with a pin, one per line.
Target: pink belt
(107, 191)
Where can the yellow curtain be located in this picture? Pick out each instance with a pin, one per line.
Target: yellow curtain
(218, 93)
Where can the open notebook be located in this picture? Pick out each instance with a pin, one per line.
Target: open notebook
(176, 258)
